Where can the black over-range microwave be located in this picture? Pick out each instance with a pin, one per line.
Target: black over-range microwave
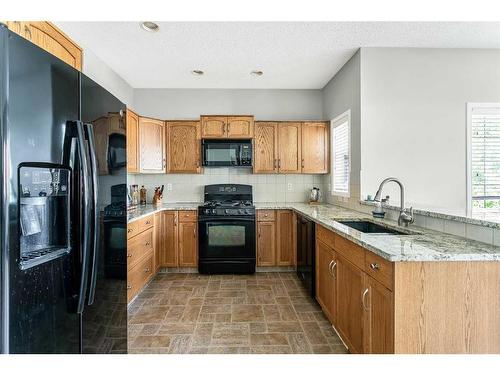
(226, 153)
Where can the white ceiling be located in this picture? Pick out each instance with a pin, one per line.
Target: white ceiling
(301, 55)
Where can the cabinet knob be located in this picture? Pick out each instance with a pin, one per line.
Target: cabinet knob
(129, 287)
(148, 222)
(130, 230)
(363, 297)
(146, 270)
(129, 255)
(375, 266)
(147, 243)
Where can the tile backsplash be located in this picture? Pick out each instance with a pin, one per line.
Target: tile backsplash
(266, 187)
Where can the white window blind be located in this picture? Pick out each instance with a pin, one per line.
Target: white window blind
(341, 155)
(484, 163)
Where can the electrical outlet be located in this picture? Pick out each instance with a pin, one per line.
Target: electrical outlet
(169, 187)
(289, 186)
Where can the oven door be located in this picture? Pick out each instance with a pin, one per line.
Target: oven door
(227, 237)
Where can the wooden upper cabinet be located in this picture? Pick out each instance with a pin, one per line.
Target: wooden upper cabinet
(132, 142)
(48, 37)
(314, 147)
(325, 279)
(266, 147)
(378, 327)
(183, 147)
(285, 244)
(240, 127)
(350, 314)
(152, 145)
(227, 127)
(289, 147)
(266, 243)
(213, 126)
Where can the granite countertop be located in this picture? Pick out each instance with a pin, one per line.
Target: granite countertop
(420, 245)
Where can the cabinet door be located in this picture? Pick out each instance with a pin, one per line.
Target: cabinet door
(183, 147)
(240, 127)
(289, 145)
(188, 244)
(349, 306)
(152, 145)
(378, 328)
(169, 251)
(266, 243)
(132, 142)
(325, 280)
(158, 240)
(314, 147)
(266, 147)
(48, 37)
(285, 254)
(213, 126)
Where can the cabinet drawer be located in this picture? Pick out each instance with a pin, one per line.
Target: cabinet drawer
(145, 223)
(138, 276)
(379, 268)
(350, 251)
(266, 215)
(139, 226)
(325, 235)
(138, 246)
(132, 229)
(188, 216)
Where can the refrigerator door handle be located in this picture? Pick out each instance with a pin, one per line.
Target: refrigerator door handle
(85, 226)
(89, 132)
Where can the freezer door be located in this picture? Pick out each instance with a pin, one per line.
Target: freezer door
(42, 252)
(104, 325)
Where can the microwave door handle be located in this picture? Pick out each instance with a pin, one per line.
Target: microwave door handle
(85, 226)
(89, 133)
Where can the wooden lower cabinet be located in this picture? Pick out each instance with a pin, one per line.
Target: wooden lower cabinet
(180, 239)
(360, 307)
(266, 243)
(378, 325)
(285, 239)
(276, 238)
(169, 253)
(188, 244)
(325, 279)
(139, 275)
(350, 319)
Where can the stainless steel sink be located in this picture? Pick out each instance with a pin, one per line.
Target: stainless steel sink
(371, 227)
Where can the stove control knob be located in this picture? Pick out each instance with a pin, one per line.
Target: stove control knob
(242, 212)
(248, 212)
(214, 211)
(207, 211)
(226, 211)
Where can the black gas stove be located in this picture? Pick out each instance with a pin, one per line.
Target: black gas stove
(226, 226)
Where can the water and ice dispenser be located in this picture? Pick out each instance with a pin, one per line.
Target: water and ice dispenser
(44, 213)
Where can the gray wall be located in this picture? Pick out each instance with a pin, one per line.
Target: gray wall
(263, 104)
(414, 120)
(100, 72)
(339, 95)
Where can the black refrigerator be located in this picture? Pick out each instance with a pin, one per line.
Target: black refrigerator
(55, 295)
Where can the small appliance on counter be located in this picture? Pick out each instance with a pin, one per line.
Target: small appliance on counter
(315, 196)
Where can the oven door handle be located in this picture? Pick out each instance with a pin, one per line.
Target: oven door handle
(226, 218)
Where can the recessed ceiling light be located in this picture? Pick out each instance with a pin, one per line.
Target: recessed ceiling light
(150, 26)
(197, 72)
(257, 73)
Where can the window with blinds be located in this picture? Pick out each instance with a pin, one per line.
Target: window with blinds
(484, 161)
(340, 152)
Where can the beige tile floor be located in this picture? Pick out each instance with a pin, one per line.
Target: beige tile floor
(261, 313)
